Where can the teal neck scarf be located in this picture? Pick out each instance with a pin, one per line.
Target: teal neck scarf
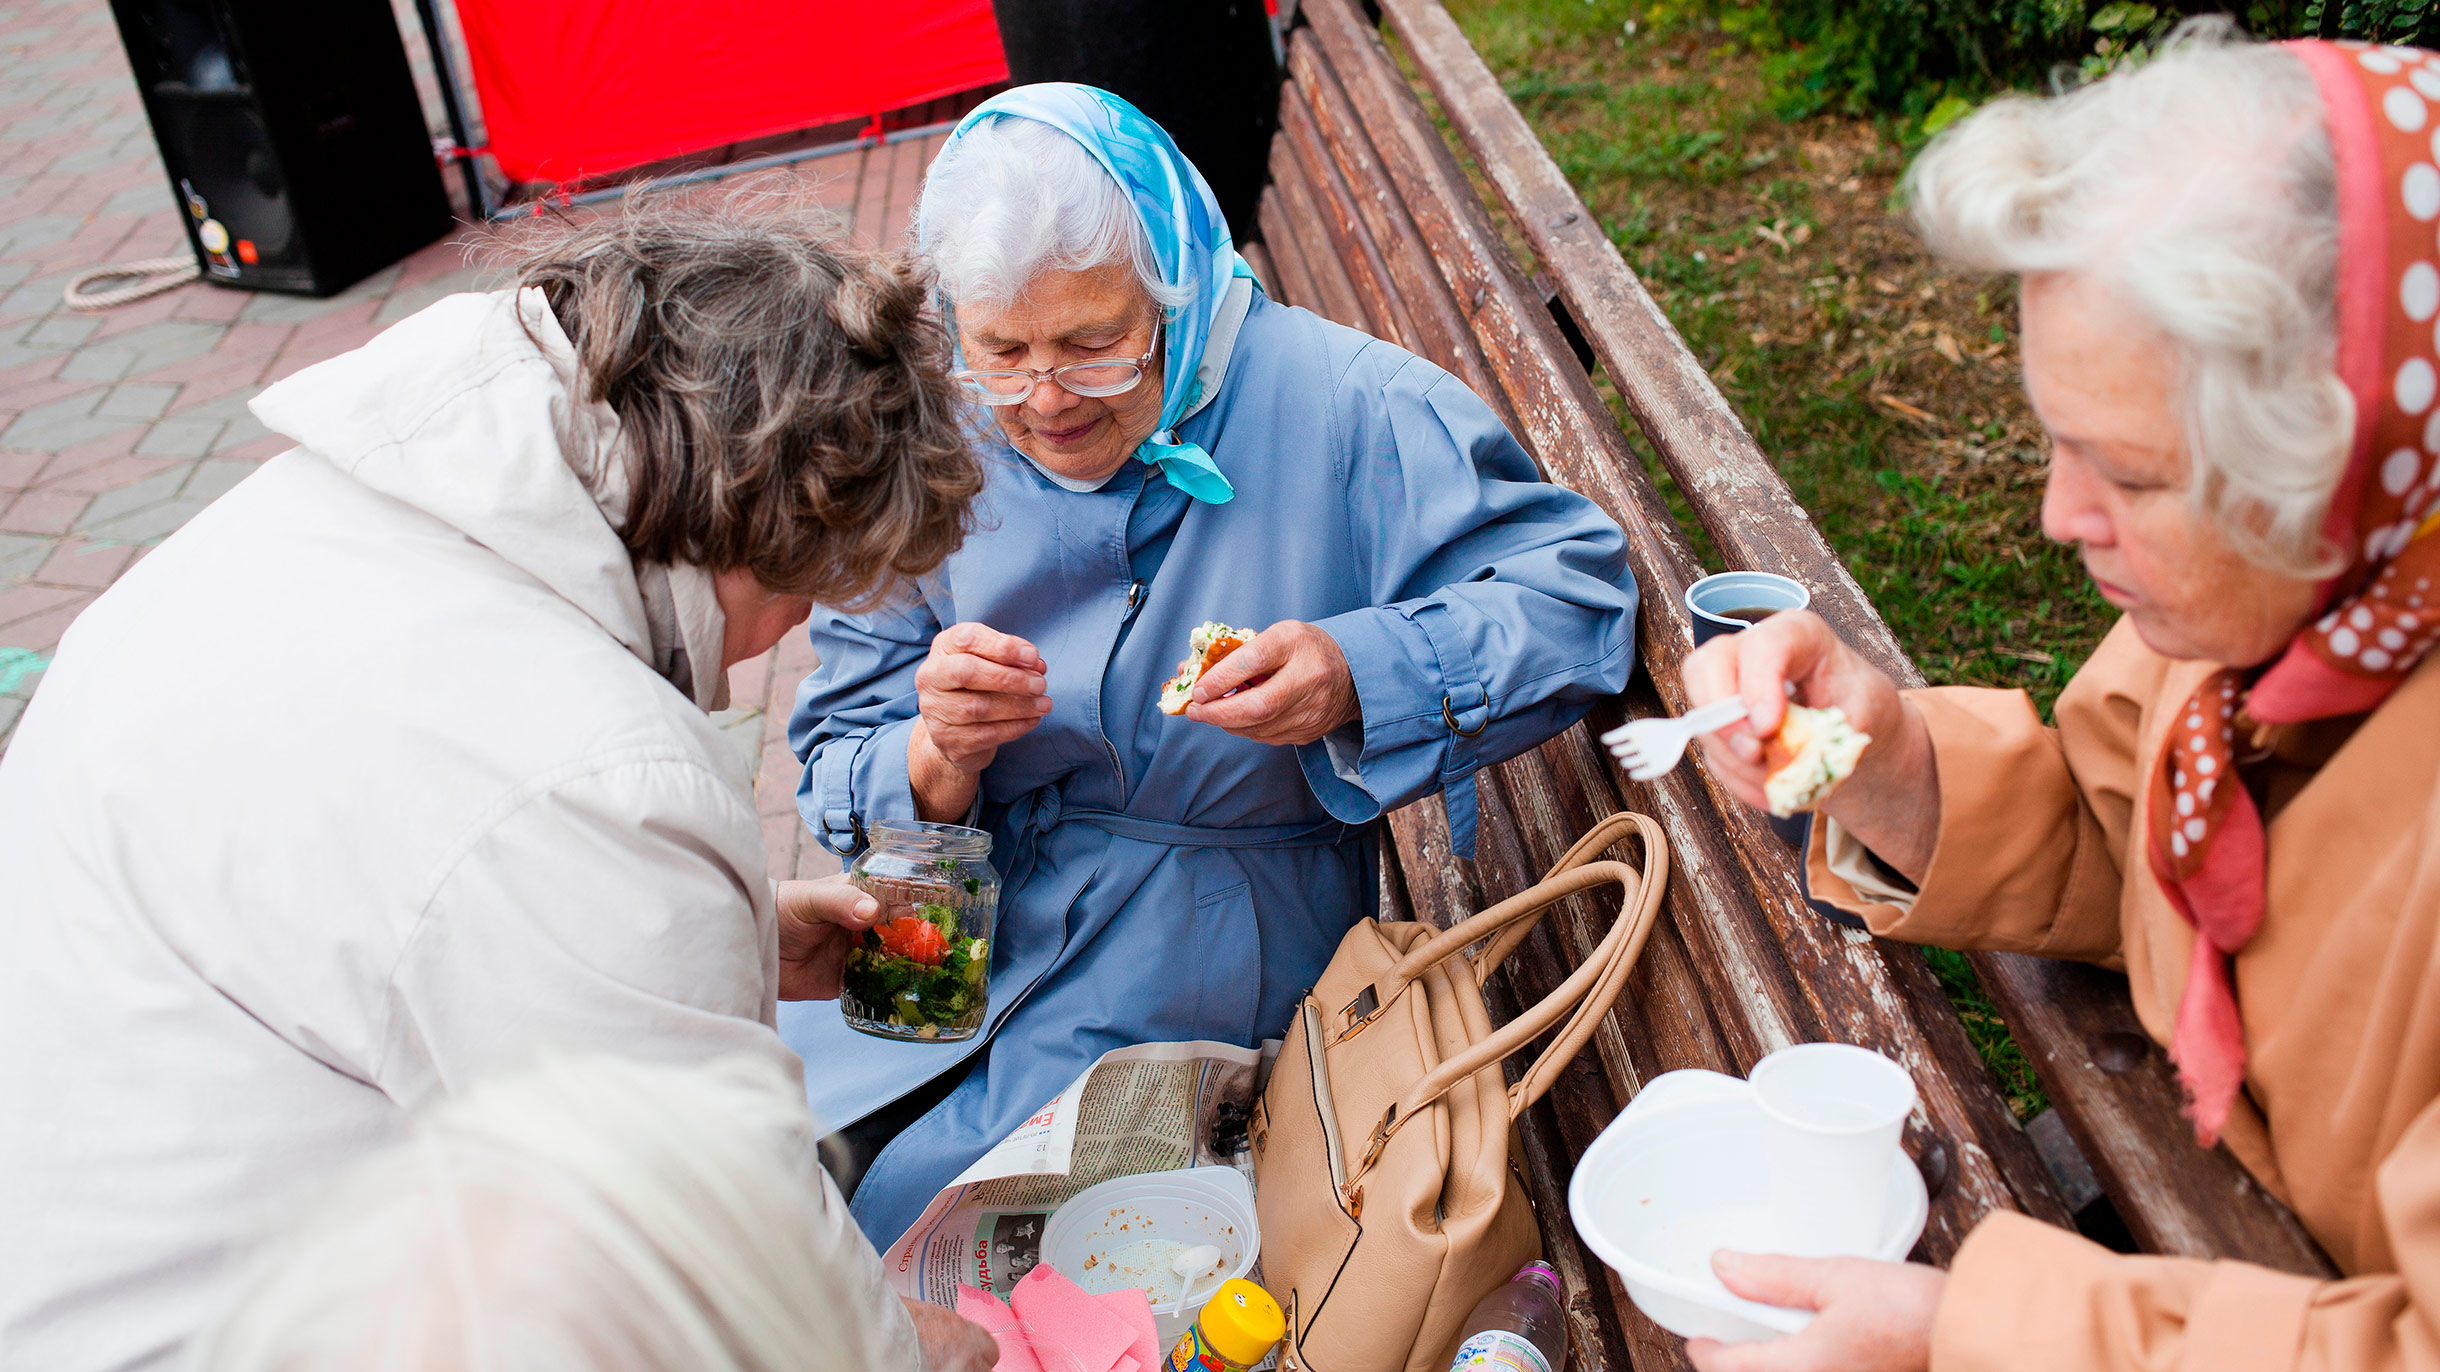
(1190, 240)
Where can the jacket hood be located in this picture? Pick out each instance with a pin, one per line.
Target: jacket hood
(470, 411)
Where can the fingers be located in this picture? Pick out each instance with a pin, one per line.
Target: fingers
(1774, 1278)
(1263, 654)
(984, 641)
(969, 672)
(830, 900)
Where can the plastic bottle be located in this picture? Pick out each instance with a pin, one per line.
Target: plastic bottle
(1238, 1328)
(1517, 1328)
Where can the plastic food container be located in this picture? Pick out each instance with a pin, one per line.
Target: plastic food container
(923, 971)
(1685, 1171)
(1121, 1235)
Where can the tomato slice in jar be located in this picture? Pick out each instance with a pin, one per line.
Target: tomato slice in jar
(918, 940)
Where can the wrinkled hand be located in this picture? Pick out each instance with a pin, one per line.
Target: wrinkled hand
(1892, 801)
(951, 1342)
(1291, 682)
(1793, 646)
(818, 922)
(1874, 1316)
(979, 688)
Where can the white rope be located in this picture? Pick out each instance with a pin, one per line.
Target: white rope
(153, 275)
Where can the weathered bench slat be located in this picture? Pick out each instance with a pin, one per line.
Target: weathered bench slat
(1845, 983)
(1439, 326)
(1292, 279)
(1334, 296)
(2177, 1199)
(1365, 267)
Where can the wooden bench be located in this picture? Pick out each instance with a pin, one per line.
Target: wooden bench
(1370, 220)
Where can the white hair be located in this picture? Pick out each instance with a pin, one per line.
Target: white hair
(591, 1215)
(2199, 189)
(1014, 199)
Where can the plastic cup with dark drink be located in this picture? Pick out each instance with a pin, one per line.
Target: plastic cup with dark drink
(1727, 602)
(1732, 602)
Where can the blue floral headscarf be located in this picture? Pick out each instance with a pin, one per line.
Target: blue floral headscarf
(1190, 240)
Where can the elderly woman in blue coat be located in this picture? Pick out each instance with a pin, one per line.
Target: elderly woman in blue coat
(1173, 448)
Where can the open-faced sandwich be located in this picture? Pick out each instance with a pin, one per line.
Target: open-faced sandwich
(1204, 649)
(1811, 754)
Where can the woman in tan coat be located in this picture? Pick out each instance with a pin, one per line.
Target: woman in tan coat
(2230, 283)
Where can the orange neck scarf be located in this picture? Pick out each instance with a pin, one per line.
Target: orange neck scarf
(2374, 621)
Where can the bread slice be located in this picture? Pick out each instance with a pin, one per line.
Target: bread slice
(1811, 754)
(1204, 649)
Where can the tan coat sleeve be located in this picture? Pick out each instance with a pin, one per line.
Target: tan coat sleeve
(2033, 820)
(2023, 1295)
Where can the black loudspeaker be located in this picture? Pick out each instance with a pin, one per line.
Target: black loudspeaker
(292, 136)
(1202, 69)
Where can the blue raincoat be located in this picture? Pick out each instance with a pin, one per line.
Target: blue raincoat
(1163, 879)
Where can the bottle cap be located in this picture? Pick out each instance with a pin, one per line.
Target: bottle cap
(1544, 1274)
(1241, 1322)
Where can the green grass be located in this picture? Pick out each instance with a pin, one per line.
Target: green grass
(1882, 385)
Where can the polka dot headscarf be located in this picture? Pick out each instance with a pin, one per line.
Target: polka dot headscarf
(2376, 620)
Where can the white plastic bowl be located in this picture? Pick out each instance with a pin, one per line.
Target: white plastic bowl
(1190, 1206)
(1682, 1173)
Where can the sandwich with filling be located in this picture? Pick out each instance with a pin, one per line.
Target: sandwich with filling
(1811, 754)
(1204, 649)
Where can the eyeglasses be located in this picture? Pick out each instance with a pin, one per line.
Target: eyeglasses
(1095, 377)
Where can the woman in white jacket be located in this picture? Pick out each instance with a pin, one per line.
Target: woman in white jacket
(393, 767)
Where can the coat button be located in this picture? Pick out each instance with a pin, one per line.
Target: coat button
(1135, 595)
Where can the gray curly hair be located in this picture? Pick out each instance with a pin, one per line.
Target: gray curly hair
(2200, 188)
(784, 399)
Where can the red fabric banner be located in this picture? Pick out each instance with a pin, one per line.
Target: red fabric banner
(577, 88)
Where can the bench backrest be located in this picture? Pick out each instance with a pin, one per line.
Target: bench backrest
(1370, 220)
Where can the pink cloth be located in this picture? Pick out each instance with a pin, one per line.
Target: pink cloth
(1050, 1324)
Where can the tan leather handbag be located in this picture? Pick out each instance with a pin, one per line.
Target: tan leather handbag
(1381, 1146)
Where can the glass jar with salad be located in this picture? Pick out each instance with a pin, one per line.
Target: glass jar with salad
(923, 970)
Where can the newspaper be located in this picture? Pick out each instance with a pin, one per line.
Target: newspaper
(1149, 1108)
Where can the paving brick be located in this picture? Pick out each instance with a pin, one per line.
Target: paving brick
(25, 602)
(67, 331)
(42, 632)
(170, 340)
(135, 401)
(213, 479)
(150, 310)
(61, 423)
(42, 512)
(269, 445)
(18, 470)
(181, 437)
(76, 562)
(135, 495)
(21, 555)
(242, 432)
(96, 478)
(231, 384)
(206, 301)
(27, 395)
(150, 524)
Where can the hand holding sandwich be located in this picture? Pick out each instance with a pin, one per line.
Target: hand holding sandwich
(1892, 800)
(1292, 686)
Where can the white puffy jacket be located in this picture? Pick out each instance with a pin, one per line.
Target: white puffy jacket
(362, 786)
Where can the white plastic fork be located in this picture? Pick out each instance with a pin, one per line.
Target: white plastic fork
(1648, 748)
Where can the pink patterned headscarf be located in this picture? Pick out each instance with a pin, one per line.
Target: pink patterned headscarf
(2374, 621)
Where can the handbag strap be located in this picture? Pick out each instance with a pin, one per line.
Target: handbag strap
(1581, 1000)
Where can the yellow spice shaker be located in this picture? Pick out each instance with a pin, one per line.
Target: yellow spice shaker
(1238, 1328)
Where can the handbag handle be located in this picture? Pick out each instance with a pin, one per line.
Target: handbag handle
(1582, 999)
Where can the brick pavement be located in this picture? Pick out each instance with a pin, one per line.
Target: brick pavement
(115, 428)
